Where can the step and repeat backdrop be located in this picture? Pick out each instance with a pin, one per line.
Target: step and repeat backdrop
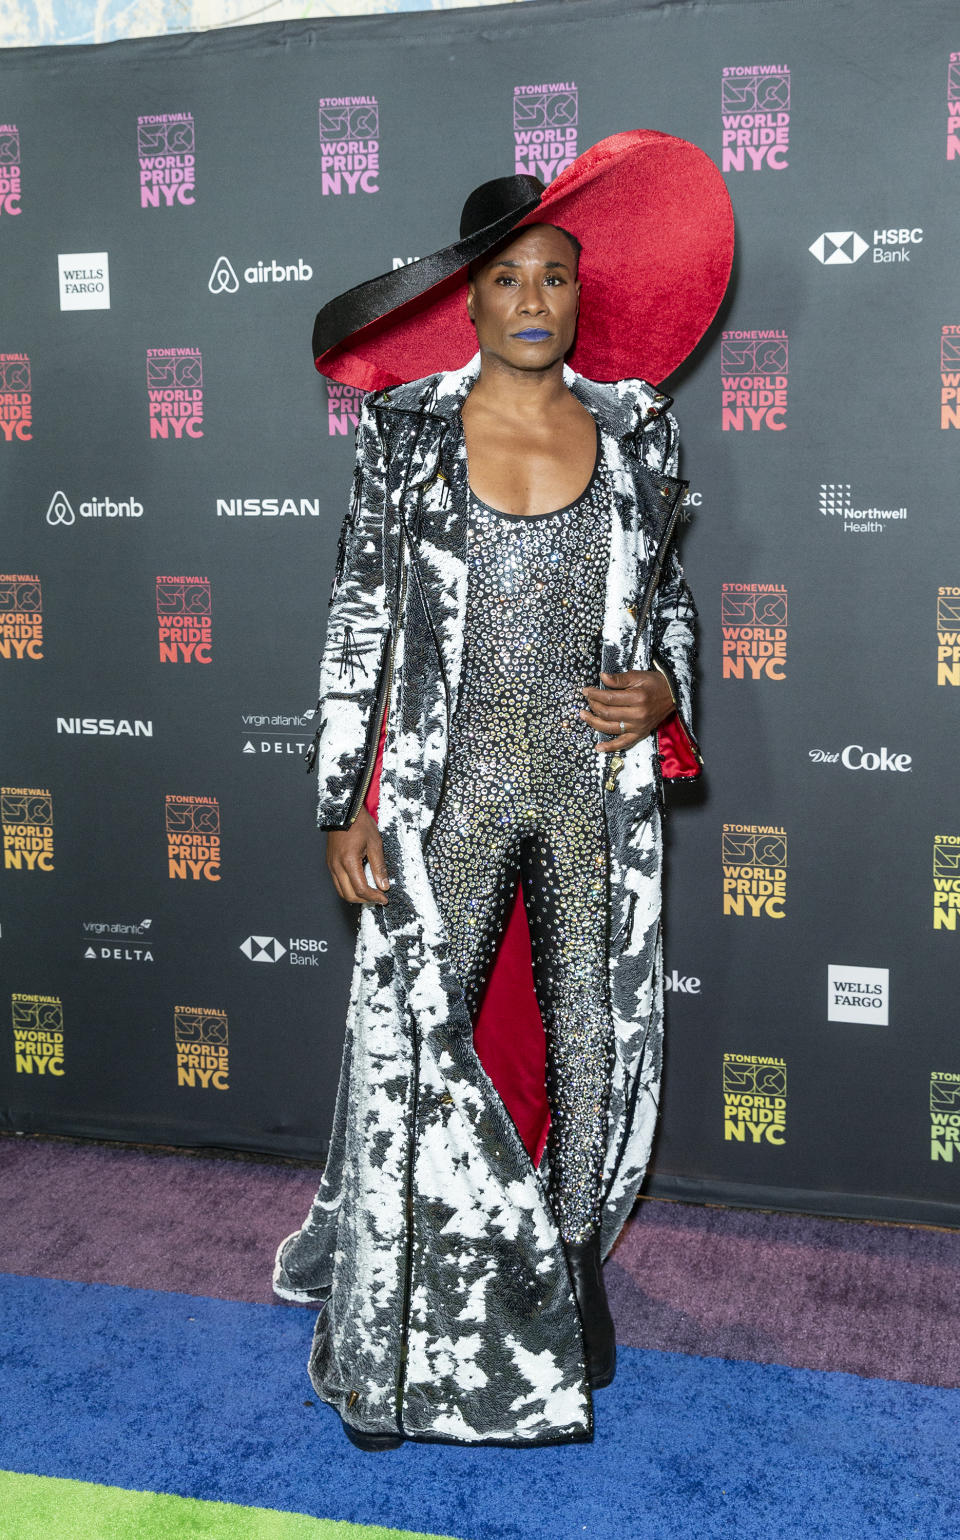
(176, 963)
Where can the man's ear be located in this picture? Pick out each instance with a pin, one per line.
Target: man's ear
(471, 290)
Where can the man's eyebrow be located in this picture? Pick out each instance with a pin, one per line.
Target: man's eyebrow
(508, 262)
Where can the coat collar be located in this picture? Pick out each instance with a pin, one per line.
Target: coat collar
(621, 409)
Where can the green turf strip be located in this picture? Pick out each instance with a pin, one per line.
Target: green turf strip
(41, 1507)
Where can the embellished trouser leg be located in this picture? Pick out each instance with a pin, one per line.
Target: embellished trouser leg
(482, 841)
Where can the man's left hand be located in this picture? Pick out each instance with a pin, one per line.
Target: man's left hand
(640, 699)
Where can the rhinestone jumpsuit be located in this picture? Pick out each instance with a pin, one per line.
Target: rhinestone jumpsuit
(523, 801)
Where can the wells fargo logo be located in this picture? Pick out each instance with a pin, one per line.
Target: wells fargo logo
(946, 881)
(203, 1055)
(754, 1098)
(950, 377)
(948, 636)
(944, 1114)
(21, 615)
(38, 1034)
(184, 619)
(754, 870)
(753, 619)
(193, 837)
(26, 816)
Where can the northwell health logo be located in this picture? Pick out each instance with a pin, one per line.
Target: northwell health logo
(836, 502)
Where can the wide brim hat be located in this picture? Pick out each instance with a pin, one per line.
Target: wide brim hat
(653, 216)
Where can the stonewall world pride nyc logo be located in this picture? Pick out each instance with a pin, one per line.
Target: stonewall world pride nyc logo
(544, 129)
(16, 398)
(175, 392)
(9, 169)
(948, 636)
(26, 817)
(349, 145)
(944, 1114)
(754, 858)
(953, 107)
(754, 1098)
(184, 619)
(343, 408)
(753, 374)
(946, 881)
(753, 621)
(38, 1034)
(202, 1047)
(166, 150)
(193, 838)
(21, 616)
(755, 109)
(950, 377)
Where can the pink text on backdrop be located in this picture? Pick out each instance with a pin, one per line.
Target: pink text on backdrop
(166, 146)
(753, 372)
(755, 108)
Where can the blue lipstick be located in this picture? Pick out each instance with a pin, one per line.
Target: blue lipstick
(532, 334)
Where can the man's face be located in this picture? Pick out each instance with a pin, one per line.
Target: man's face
(524, 301)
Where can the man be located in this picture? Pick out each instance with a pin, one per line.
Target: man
(510, 524)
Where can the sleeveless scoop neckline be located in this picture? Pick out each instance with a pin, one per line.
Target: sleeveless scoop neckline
(552, 513)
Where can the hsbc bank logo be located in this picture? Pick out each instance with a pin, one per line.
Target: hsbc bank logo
(224, 280)
(841, 248)
(302, 950)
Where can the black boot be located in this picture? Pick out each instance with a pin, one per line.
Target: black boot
(599, 1338)
(373, 1443)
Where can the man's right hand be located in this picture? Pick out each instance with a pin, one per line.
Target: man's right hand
(346, 849)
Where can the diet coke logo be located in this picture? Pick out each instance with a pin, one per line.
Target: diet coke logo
(856, 757)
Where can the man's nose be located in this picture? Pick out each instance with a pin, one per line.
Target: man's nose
(532, 301)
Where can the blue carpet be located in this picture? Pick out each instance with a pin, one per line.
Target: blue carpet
(127, 1386)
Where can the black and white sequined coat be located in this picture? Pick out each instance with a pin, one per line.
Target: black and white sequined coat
(447, 1306)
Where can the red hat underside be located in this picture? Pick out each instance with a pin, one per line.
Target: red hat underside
(657, 251)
